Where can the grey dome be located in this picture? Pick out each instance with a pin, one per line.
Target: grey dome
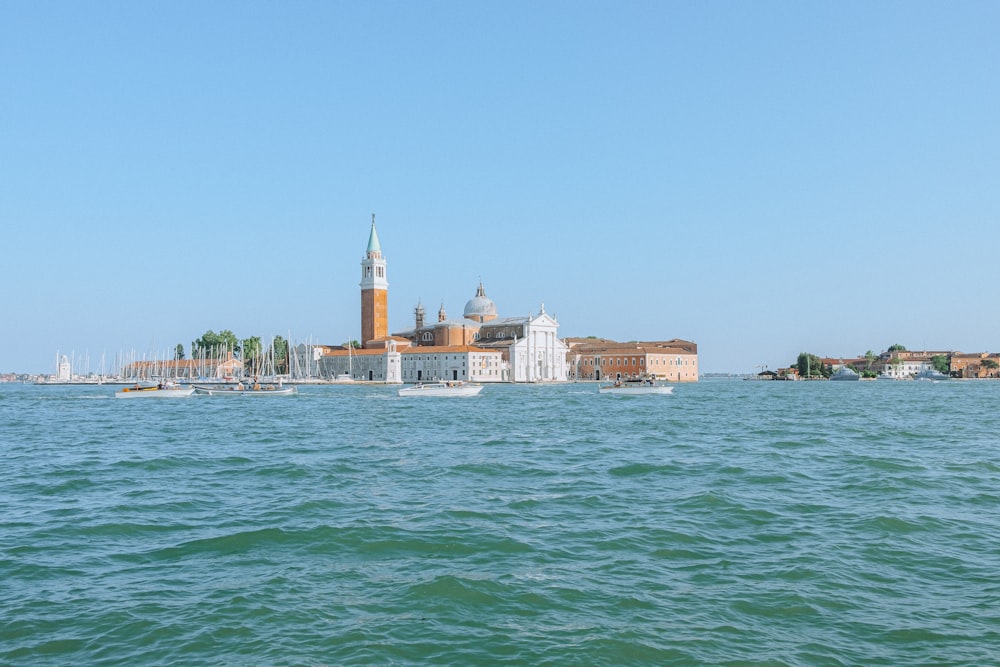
(480, 306)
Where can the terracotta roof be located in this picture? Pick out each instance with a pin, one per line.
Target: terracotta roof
(606, 346)
(441, 349)
(343, 352)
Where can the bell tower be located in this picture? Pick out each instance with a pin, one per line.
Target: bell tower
(374, 291)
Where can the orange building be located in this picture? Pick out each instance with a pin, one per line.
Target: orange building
(599, 359)
(978, 365)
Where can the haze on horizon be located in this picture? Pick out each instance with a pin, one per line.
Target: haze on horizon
(761, 179)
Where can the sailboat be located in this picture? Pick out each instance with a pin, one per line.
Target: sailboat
(347, 377)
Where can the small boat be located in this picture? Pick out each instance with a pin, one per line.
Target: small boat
(239, 389)
(161, 390)
(635, 387)
(448, 388)
(845, 373)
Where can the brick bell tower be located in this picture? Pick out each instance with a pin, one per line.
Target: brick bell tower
(374, 291)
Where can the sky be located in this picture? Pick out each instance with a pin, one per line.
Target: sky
(762, 178)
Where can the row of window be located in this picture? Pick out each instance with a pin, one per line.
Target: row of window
(427, 357)
(427, 336)
(618, 361)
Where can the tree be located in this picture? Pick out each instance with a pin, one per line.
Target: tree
(941, 363)
(870, 359)
(280, 347)
(212, 343)
(897, 348)
(991, 364)
(179, 352)
(810, 365)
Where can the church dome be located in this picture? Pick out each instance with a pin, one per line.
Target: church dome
(480, 308)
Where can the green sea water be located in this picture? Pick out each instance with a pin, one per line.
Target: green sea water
(731, 523)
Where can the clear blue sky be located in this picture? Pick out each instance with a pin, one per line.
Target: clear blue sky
(762, 178)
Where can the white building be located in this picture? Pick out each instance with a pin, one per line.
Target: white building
(64, 372)
(368, 365)
(455, 362)
(531, 346)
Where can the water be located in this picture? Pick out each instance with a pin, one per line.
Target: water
(732, 523)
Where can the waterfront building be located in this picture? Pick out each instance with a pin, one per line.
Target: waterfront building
(905, 364)
(64, 370)
(674, 360)
(225, 367)
(453, 362)
(980, 365)
(379, 362)
(530, 345)
(511, 349)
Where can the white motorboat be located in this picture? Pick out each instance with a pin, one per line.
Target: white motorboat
(448, 388)
(162, 390)
(635, 388)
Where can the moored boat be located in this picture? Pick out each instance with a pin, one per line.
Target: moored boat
(931, 375)
(161, 390)
(635, 387)
(845, 373)
(239, 389)
(448, 388)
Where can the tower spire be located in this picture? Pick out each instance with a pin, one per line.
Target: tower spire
(374, 247)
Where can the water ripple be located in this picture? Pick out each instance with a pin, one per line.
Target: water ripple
(735, 524)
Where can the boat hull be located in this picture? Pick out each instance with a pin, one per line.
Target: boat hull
(154, 392)
(635, 391)
(244, 391)
(441, 390)
(234, 391)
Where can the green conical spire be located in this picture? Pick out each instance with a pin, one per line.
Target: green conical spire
(373, 244)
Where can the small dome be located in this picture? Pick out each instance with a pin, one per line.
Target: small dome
(480, 307)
